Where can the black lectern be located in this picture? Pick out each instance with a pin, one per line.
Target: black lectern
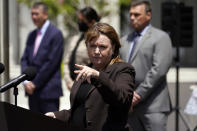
(14, 118)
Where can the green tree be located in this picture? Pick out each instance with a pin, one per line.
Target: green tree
(68, 9)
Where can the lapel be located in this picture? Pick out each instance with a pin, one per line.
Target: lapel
(140, 43)
(77, 84)
(126, 47)
(32, 43)
(108, 69)
(75, 89)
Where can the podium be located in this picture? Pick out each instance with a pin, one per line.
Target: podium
(14, 118)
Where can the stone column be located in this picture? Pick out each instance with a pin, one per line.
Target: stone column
(4, 46)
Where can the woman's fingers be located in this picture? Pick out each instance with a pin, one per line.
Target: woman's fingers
(77, 71)
(50, 114)
(79, 66)
(89, 80)
(80, 72)
(85, 73)
(79, 76)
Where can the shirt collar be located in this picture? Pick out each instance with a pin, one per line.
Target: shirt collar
(44, 27)
(144, 30)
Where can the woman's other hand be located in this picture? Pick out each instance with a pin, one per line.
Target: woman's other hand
(50, 114)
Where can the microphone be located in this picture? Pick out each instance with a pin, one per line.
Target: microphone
(28, 74)
(2, 68)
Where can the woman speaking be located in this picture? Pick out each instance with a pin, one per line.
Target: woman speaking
(102, 92)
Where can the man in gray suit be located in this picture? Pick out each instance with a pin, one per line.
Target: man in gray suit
(149, 50)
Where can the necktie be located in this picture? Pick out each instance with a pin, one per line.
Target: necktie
(135, 40)
(37, 43)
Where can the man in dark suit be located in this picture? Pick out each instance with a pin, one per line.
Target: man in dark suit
(44, 49)
(149, 50)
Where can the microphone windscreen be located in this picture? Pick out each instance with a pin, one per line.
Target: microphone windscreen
(2, 68)
(30, 72)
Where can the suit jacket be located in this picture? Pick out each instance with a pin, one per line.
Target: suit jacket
(108, 101)
(151, 60)
(47, 62)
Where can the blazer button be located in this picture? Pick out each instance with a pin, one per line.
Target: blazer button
(89, 123)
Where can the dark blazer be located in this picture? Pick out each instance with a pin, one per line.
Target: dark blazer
(47, 62)
(108, 101)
